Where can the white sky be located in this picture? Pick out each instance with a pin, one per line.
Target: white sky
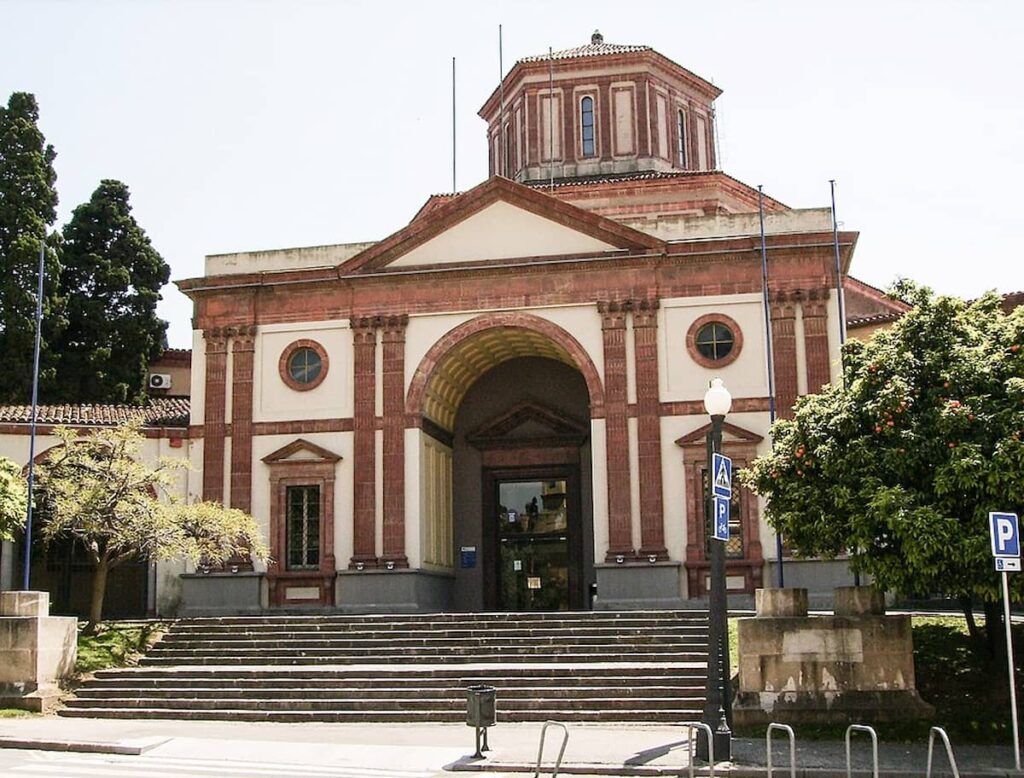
(256, 125)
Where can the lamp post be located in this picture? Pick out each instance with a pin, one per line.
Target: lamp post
(717, 402)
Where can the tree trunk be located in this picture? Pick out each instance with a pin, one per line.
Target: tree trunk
(99, 590)
(994, 631)
(967, 606)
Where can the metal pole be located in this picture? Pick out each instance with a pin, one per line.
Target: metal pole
(716, 701)
(35, 414)
(454, 188)
(1012, 674)
(770, 357)
(839, 272)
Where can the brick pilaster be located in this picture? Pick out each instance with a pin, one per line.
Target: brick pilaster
(613, 327)
(783, 312)
(819, 363)
(645, 353)
(364, 455)
(243, 344)
(214, 405)
(393, 367)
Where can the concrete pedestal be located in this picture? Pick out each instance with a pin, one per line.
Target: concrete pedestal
(221, 594)
(638, 586)
(36, 651)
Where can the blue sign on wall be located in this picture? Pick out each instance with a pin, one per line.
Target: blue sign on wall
(721, 518)
(467, 557)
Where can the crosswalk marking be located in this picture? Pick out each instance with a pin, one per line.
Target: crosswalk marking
(109, 766)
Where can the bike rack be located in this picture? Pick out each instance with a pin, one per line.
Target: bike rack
(949, 750)
(874, 747)
(691, 742)
(561, 751)
(792, 748)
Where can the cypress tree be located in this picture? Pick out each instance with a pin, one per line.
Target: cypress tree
(28, 204)
(111, 280)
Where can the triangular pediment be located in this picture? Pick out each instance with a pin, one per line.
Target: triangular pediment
(529, 421)
(301, 451)
(730, 434)
(498, 221)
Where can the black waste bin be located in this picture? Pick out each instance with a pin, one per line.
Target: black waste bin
(480, 706)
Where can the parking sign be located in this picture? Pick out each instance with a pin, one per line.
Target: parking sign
(721, 528)
(1005, 534)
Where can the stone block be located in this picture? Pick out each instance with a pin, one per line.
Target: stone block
(392, 591)
(32, 604)
(859, 601)
(642, 586)
(221, 594)
(775, 603)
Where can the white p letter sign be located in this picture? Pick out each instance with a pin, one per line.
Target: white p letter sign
(1005, 534)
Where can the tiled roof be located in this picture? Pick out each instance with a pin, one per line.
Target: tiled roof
(601, 178)
(158, 412)
(874, 318)
(596, 48)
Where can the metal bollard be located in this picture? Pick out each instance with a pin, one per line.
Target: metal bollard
(792, 747)
(874, 747)
(949, 750)
(691, 741)
(561, 751)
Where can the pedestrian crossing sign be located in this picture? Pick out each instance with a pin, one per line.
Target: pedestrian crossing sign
(721, 468)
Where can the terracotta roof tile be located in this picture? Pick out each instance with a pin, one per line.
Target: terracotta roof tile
(158, 412)
(874, 318)
(590, 50)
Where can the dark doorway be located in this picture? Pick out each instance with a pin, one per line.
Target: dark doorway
(533, 537)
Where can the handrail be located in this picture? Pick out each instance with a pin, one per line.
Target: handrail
(792, 747)
(949, 750)
(874, 747)
(561, 751)
(691, 741)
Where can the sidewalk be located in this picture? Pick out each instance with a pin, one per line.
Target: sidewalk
(618, 750)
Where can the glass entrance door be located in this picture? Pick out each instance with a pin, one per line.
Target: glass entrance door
(532, 532)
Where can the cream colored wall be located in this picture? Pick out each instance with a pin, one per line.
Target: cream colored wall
(273, 400)
(501, 231)
(338, 442)
(282, 259)
(801, 353)
(435, 500)
(198, 388)
(599, 471)
(681, 378)
(834, 348)
(680, 227)
(414, 509)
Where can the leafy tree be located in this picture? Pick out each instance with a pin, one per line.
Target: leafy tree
(13, 499)
(97, 491)
(28, 203)
(111, 278)
(903, 462)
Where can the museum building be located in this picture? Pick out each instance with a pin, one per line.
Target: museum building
(499, 406)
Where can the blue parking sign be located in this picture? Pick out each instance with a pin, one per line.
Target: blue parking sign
(721, 518)
(1005, 534)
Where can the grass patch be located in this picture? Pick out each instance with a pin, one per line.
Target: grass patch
(115, 644)
(15, 713)
(968, 690)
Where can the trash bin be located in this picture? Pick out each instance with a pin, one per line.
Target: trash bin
(480, 706)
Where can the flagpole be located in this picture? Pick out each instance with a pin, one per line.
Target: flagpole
(35, 413)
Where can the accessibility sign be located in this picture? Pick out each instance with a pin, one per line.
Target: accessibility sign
(1005, 534)
(721, 518)
(1007, 565)
(721, 468)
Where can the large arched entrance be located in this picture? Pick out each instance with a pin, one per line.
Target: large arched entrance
(505, 404)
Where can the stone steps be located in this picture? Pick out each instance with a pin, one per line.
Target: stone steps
(630, 667)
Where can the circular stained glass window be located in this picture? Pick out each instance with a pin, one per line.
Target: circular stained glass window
(304, 365)
(715, 341)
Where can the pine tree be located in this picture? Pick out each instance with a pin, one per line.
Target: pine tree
(111, 279)
(28, 204)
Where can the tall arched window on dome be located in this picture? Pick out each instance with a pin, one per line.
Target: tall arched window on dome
(587, 125)
(681, 135)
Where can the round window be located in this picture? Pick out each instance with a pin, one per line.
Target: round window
(715, 341)
(304, 365)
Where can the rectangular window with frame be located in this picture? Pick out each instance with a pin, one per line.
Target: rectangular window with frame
(303, 527)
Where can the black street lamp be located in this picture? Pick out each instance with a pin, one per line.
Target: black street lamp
(717, 402)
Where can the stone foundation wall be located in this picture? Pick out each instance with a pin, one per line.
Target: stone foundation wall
(36, 651)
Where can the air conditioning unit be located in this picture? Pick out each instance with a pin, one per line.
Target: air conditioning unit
(159, 381)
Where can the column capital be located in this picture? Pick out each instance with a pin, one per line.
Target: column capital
(645, 312)
(613, 313)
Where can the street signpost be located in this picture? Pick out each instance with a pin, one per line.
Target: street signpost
(721, 488)
(1005, 533)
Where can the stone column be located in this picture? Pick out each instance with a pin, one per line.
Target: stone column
(783, 313)
(645, 353)
(213, 414)
(364, 464)
(243, 344)
(393, 367)
(613, 326)
(819, 363)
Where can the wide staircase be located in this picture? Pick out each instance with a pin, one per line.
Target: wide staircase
(637, 666)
